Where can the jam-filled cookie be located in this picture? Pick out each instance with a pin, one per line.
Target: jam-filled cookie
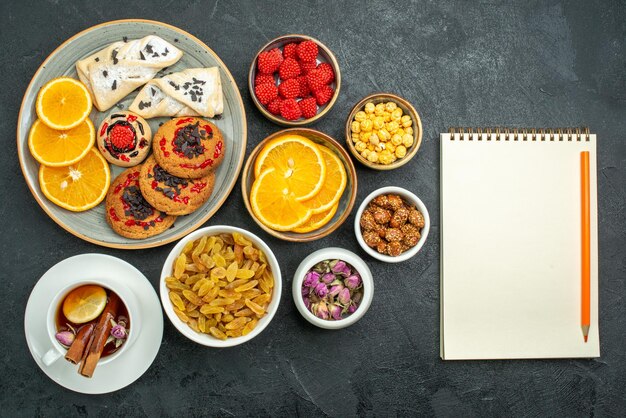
(124, 138)
(128, 213)
(170, 194)
(189, 147)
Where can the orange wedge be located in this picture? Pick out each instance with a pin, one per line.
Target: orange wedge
(298, 160)
(63, 103)
(84, 303)
(334, 184)
(77, 187)
(274, 204)
(316, 221)
(60, 148)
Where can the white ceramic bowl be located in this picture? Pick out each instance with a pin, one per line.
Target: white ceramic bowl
(410, 198)
(330, 254)
(206, 339)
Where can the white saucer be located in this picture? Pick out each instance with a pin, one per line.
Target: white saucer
(132, 363)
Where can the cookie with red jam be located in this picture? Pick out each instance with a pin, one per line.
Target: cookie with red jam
(128, 213)
(188, 147)
(124, 138)
(170, 194)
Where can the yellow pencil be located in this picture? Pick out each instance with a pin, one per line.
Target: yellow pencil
(585, 250)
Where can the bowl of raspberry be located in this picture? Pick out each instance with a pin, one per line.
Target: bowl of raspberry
(294, 80)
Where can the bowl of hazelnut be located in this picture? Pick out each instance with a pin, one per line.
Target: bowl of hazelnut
(392, 224)
(383, 131)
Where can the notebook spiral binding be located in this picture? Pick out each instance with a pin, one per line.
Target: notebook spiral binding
(500, 133)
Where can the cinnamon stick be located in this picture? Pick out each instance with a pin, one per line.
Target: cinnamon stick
(100, 335)
(76, 350)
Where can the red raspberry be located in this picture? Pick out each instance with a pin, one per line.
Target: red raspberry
(315, 79)
(269, 61)
(289, 89)
(323, 95)
(304, 86)
(308, 107)
(290, 110)
(328, 75)
(122, 136)
(307, 66)
(274, 106)
(266, 92)
(289, 69)
(264, 78)
(307, 51)
(289, 51)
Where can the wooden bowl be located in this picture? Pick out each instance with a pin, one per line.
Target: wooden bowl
(346, 203)
(407, 109)
(324, 55)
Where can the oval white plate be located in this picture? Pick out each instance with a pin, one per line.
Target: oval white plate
(91, 225)
(126, 368)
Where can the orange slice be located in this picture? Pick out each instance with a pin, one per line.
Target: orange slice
(84, 304)
(298, 160)
(63, 103)
(316, 221)
(60, 148)
(334, 184)
(77, 187)
(274, 204)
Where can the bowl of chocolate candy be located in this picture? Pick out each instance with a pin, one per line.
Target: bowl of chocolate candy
(392, 224)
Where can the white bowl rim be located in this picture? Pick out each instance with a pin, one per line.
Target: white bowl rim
(413, 199)
(333, 253)
(206, 339)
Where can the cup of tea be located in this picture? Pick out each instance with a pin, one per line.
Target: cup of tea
(91, 323)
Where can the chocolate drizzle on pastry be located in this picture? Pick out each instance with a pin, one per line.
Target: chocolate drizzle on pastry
(174, 183)
(194, 90)
(188, 140)
(135, 204)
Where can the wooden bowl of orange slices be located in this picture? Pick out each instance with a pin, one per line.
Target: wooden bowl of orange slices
(299, 184)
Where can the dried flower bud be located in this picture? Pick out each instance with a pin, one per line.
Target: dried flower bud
(328, 278)
(321, 267)
(357, 297)
(334, 290)
(305, 290)
(341, 267)
(66, 338)
(352, 282)
(311, 279)
(122, 320)
(307, 302)
(335, 311)
(321, 290)
(352, 308)
(344, 296)
(320, 310)
(336, 282)
(118, 331)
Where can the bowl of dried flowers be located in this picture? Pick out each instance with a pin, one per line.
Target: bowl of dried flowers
(333, 288)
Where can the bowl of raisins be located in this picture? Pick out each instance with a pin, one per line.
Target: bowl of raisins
(392, 224)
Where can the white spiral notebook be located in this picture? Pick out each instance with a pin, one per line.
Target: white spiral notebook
(511, 244)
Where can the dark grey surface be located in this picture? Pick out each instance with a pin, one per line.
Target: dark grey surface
(522, 64)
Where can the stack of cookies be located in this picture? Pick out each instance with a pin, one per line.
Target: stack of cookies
(175, 180)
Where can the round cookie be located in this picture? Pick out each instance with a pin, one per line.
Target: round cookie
(170, 194)
(124, 138)
(189, 147)
(127, 211)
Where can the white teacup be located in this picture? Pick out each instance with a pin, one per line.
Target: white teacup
(127, 297)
